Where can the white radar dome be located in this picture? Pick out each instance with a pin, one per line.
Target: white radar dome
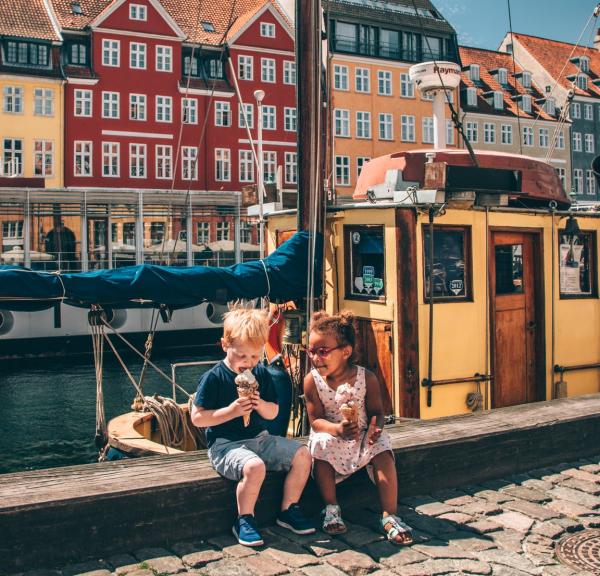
(431, 76)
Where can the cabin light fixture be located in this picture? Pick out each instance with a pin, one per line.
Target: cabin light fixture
(572, 230)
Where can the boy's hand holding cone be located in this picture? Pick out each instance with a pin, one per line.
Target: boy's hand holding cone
(246, 386)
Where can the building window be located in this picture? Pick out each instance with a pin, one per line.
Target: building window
(578, 181)
(13, 100)
(164, 59)
(363, 125)
(502, 76)
(267, 70)
(407, 88)
(489, 133)
(202, 232)
(474, 72)
(384, 83)
(222, 114)
(291, 168)
(83, 103)
(544, 135)
(550, 106)
(246, 161)
(451, 263)
(245, 232)
(269, 167)
(526, 79)
(427, 130)
(289, 72)
(527, 136)
(498, 100)
(407, 128)
(526, 103)
(342, 122)
(560, 140)
(269, 115)
(577, 265)
(588, 111)
(449, 132)
(582, 82)
(43, 102)
(246, 116)
(189, 166)
(164, 108)
(214, 67)
(342, 170)
(43, 158)
(83, 158)
(472, 132)
(137, 107)
(365, 257)
(584, 64)
(164, 161)
(267, 30)
(12, 157)
(471, 96)
(222, 164)
(110, 159)
(289, 119)
(245, 67)
(362, 80)
(576, 141)
(190, 66)
(386, 126)
(589, 143)
(575, 110)
(110, 104)
(506, 134)
(137, 55)
(137, 160)
(590, 178)
(137, 12)
(562, 176)
(223, 231)
(360, 162)
(340, 77)
(26, 54)
(12, 231)
(110, 52)
(189, 106)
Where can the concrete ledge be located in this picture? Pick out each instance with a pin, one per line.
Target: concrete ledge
(57, 516)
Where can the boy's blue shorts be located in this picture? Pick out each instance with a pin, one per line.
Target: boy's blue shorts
(230, 456)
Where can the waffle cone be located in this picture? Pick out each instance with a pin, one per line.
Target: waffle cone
(246, 386)
(349, 412)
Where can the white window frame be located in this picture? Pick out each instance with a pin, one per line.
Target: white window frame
(246, 166)
(269, 116)
(577, 142)
(13, 100)
(43, 102)
(506, 134)
(290, 122)
(111, 105)
(342, 170)
(590, 182)
(83, 100)
(163, 161)
(189, 166)
(472, 131)
(471, 96)
(222, 114)
(526, 103)
(589, 144)
(223, 230)
(16, 153)
(407, 87)
(527, 132)
(544, 137)
(550, 106)
(562, 176)
(289, 72)
(584, 64)
(269, 166)
(588, 112)
(45, 153)
(138, 55)
(138, 167)
(189, 110)
(578, 181)
(202, 233)
(449, 133)
(340, 78)
(267, 30)
(138, 107)
(111, 151)
(164, 58)
(582, 82)
(560, 140)
(363, 125)
(247, 117)
(502, 76)
(474, 74)
(427, 131)
(111, 52)
(291, 168)
(526, 79)
(407, 128)
(267, 70)
(82, 151)
(575, 110)
(498, 100)
(384, 83)
(245, 67)
(362, 80)
(138, 12)
(360, 163)
(222, 164)
(489, 133)
(341, 122)
(163, 109)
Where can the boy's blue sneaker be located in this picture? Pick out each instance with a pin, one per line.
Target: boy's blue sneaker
(246, 532)
(294, 519)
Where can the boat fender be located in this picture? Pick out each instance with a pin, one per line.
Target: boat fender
(7, 321)
(116, 317)
(214, 312)
(283, 388)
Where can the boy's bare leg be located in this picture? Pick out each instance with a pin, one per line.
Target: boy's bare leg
(386, 480)
(296, 478)
(325, 478)
(248, 487)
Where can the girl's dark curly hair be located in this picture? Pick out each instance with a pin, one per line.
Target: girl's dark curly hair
(339, 325)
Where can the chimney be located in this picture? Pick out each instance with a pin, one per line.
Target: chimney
(597, 40)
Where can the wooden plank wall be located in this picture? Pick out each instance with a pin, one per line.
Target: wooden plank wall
(59, 516)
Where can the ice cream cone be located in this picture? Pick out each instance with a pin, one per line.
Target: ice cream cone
(246, 386)
(349, 411)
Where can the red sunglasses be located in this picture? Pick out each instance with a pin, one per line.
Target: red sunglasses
(322, 351)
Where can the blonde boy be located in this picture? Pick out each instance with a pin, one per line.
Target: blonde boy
(245, 453)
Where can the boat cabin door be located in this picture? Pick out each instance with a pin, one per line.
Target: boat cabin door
(516, 313)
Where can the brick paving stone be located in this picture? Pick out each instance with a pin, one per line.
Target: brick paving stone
(92, 568)
(325, 545)
(494, 497)
(568, 508)
(569, 524)
(591, 522)
(196, 554)
(549, 529)
(439, 549)
(383, 572)
(529, 494)
(471, 542)
(230, 547)
(554, 478)
(263, 565)
(484, 526)
(352, 562)
(166, 564)
(434, 509)
(457, 518)
(358, 536)
(560, 570)
(510, 559)
(460, 501)
(514, 521)
(581, 475)
(575, 496)
(481, 507)
(531, 510)
(509, 541)
(291, 555)
(582, 485)
(393, 556)
(592, 468)
(446, 566)
(228, 567)
(127, 568)
(499, 570)
(322, 570)
(538, 484)
(141, 572)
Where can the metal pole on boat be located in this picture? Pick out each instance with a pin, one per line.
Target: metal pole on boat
(237, 230)
(139, 230)
(188, 233)
(27, 233)
(109, 250)
(259, 95)
(83, 245)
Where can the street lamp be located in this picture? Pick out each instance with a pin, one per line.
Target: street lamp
(259, 95)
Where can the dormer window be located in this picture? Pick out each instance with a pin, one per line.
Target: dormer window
(584, 64)
(550, 106)
(582, 82)
(267, 30)
(526, 79)
(207, 26)
(474, 72)
(137, 12)
(76, 8)
(502, 76)
(471, 96)
(498, 100)
(526, 103)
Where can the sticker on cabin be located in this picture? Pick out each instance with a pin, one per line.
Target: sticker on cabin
(456, 286)
(377, 285)
(368, 271)
(355, 237)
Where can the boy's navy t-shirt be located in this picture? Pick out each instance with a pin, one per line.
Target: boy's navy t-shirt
(217, 389)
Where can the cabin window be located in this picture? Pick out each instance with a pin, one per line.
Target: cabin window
(577, 265)
(451, 263)
(365, 262)
(509, 269)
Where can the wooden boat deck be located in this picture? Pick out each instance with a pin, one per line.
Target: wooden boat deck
(67, 514)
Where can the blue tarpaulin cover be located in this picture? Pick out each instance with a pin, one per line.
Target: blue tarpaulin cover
(283, 277)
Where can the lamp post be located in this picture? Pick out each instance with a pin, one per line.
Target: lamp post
(259, 95)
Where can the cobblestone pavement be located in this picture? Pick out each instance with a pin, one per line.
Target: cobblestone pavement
(507, 527)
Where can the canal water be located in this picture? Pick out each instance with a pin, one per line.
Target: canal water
(48, 408)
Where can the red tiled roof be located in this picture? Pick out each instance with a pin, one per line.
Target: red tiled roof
(26, 19)
(553, 55)
(90, 9)
(490, 60)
